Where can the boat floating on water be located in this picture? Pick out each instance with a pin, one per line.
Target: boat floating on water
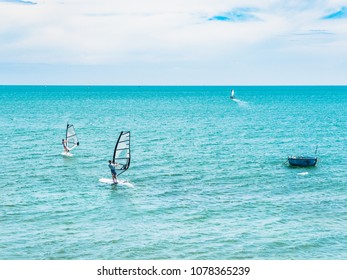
(303, 161)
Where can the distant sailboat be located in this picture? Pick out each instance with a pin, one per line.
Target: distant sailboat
(232, 94)
(303, 161)
(71, 137)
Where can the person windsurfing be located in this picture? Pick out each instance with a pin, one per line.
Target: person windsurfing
(113, 171)
(66, 150)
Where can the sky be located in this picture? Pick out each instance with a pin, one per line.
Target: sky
(176, 42)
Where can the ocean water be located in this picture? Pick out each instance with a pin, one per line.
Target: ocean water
(208, 174)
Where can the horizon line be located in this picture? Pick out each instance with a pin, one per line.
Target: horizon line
(174, 85)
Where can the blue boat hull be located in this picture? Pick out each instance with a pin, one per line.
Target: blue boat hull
(302, 161)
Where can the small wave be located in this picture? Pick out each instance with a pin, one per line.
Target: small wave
(127, 184)
(240, 102)
(302, 173)
(120, 182)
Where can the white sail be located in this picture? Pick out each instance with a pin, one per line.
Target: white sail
(71, 137)
(121, 154)
(232, 94)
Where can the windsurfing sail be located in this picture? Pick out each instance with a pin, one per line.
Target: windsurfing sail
(71, 137)
(232, 94)
(121, 154)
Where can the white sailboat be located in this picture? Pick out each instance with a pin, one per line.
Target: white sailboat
(232, 94)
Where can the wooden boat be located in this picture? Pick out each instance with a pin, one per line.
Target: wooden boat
(302, 161)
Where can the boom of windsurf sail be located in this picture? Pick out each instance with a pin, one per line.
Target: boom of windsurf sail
(121, 154)
(71, 137)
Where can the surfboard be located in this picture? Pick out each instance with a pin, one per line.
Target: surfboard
(120, 182)
(107, 181)
(66, 154)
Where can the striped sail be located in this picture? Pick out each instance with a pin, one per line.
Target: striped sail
(121, 154)
(71, 137)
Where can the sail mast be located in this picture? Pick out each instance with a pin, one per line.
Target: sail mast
(67, 128)
(115, 148)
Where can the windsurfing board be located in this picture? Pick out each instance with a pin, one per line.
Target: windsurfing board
(119, 182)
(66, 154)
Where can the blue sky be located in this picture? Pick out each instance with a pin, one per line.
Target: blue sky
(178, 42)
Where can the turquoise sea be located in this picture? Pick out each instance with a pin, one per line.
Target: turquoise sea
(209, 175)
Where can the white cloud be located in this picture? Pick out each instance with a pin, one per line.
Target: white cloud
(108, 32)
(21, 2)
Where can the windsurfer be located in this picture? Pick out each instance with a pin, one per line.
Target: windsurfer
(113, 171)
(232, 94)
(63, 141)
